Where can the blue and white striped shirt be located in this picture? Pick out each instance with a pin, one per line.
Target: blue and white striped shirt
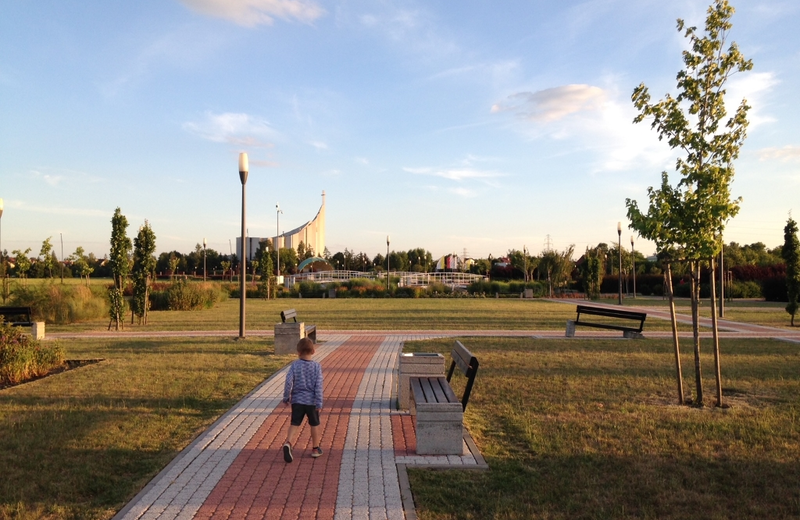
(303, 383)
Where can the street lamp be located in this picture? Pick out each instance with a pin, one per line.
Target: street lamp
(619, 246)
(205, 244)
(387, 264)
(278, 212)
(633, 268)
(244, 167)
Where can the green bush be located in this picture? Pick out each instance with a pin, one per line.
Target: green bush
(749, 289)
(22, 357)
(55, 303)
(186, 296)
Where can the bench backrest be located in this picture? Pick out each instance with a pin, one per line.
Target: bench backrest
(467, 364)
(16, 312)
(289, 314)
(613, 313)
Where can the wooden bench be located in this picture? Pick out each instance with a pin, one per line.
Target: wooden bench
(22, 317)
(631, 326)
(440, 414)
(290, 331)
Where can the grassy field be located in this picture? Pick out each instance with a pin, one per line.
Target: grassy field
(380, 313)
(590, 429)
(82, 444)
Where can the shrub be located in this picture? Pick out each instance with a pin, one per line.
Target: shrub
(186, 296)
(748, 289)
(22, 357)
(54, 303)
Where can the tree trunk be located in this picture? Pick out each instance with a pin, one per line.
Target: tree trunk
(715, 332)
(695, 292)
(674, 319)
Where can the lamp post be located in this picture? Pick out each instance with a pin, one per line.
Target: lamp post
(619, 246)
(387, 264)
(278, 212)
(633, 268)
(1, 235)
(244, 167)
(205, 244)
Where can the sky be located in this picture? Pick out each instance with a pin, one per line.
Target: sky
(467, 126)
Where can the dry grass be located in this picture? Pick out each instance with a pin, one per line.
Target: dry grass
(590, 429)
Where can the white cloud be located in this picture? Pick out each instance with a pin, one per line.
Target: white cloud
(239, 129)
(596, 119)
(754, 87)
(455, 174)
(250, 13)
(319, 145)
(464, 192)
(553, 104)
(785, 154)
(362, 160)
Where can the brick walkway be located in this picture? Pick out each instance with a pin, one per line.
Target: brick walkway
(235, 470)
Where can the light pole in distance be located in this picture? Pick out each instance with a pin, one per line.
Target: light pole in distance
(387, 264)
(619, 246)
(633, 268)
(244, 167)
(205, 244)
(278, 212)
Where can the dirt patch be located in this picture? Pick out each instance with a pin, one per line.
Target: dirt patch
(69, 364)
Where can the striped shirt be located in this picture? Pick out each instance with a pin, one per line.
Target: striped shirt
(303, 383)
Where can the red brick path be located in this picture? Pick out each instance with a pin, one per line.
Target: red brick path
(259, 484)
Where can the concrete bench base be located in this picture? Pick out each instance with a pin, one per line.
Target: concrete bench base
(440, 417)
(287, 335)
(417, 364)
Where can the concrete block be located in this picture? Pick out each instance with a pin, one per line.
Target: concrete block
(439, 437)
(632, 334)
(570, 329)
(420, 364)
(37, 330)
(287, 335)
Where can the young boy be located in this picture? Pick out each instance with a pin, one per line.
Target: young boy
(303, 389)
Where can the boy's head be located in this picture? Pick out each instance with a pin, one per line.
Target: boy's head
(305, 347)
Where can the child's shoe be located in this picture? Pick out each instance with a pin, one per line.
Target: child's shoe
(316, 452)
(287, 452)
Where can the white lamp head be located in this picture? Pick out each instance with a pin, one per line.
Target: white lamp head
(244, 167)
(1, 207)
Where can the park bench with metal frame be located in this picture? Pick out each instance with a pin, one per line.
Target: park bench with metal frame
(631, 326)
(22, 317)
(440, 414)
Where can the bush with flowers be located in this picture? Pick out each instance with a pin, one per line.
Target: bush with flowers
(23, 358)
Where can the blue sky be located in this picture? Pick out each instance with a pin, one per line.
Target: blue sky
(484, 126)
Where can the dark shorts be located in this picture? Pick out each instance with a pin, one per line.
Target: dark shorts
(302, 410)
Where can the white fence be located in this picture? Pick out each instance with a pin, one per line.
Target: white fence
(453, 279)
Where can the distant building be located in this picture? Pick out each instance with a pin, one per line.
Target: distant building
(311, 234)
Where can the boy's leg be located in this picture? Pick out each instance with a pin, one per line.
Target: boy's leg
(290, 434)
(316, 436)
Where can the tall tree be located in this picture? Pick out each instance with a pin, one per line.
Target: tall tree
(694, 123)
(23, 262)
(144, 266)
(120, 265)
(592, 272)
(264, 259)
(791, 255)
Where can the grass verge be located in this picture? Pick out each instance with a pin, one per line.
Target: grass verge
(589, 429)
(81, 444)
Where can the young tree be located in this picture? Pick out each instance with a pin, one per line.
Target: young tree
(120, 265)
(264, 259)
(81, 263)
(558, 266)
(144, 266)
(700, 205)
(47, 257)
(23, 261)
(791, 255)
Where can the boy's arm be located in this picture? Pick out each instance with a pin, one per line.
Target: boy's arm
(287, 386)
(318, 389)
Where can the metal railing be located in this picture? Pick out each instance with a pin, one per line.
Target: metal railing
(407, 279)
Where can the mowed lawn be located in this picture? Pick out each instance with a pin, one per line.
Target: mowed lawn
(369, 314)
(82, 443)
(591, 429)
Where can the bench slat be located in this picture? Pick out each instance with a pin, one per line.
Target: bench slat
(610, 313)
(289, 314)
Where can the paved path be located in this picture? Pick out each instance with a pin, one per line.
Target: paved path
(235, 470)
